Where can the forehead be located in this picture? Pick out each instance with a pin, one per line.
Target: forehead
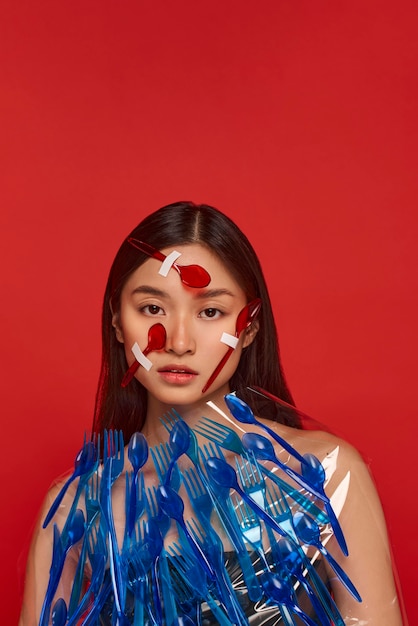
(191, 254)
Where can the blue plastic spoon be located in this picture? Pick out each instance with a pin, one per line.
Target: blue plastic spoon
(294, 564)
(314, 472)
(173, 506)
(84, 463)
(138, 455)
(243, 413)
(59, 613)
(308, 531)
(179, 444)
(263, 449)
(279, 591)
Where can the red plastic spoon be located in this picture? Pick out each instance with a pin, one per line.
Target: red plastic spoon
(244, 319)
(156, 341)
(190, 275)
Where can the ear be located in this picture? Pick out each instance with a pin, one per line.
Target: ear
(250, 333)
(118, 329)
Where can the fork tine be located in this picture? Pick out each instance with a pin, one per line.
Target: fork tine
(151, 504)
(209, 450)
(193, 483)
(210, 423)
(159, 457)
(168, 420)
(209, 433)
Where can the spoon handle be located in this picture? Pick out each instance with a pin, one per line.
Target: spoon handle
(336, 528)
(58, 500)
(133, 498)
(300, 480)
(229, 521)
(263, 514)
(282, 442)
(130, 374)
(197, 550)
(217, 369)
(340, 572)
(146, 249)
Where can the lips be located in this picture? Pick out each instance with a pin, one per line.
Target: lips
(175, 374)
(176, 369)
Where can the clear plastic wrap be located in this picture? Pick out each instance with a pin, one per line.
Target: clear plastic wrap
(225, 516)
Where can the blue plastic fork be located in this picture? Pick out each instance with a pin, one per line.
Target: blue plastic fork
(224, 475)
(193, 577)
(166, 471)
(198, 494)
(220, 434)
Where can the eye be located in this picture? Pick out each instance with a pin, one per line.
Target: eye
(152, 309)
(210, 313)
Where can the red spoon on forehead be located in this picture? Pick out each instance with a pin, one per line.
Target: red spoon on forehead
(244, 319)
(190, 275)
(156, 341)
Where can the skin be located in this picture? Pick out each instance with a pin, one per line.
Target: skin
(194, 320)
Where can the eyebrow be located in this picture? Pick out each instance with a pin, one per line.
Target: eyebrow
(152, 291)
(201, 294)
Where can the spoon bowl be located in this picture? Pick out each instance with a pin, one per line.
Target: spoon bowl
(179, 444)
(59, 613)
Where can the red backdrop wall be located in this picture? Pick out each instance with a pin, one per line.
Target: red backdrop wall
(298, 119)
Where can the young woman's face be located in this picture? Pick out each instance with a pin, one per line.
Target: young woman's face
(194, 320)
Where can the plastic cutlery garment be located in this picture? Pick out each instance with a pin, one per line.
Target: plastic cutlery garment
(192, 531)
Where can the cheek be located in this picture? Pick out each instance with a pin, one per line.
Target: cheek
(133, 331)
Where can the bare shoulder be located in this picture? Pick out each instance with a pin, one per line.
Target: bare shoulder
(327, 447)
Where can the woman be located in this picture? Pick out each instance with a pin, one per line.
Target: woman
(186, 320)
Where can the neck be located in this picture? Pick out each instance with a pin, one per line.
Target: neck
(212, 406)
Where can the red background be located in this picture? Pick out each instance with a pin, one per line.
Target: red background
(298, 119)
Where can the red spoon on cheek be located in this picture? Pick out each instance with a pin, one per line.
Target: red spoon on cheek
(247, 315)
(156, 341)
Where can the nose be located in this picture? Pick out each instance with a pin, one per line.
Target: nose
(180, 337)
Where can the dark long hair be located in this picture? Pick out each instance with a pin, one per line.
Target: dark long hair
(176, 224)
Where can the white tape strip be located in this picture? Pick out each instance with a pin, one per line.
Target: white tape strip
(229, 340)
(167, 264)
(140, 357)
